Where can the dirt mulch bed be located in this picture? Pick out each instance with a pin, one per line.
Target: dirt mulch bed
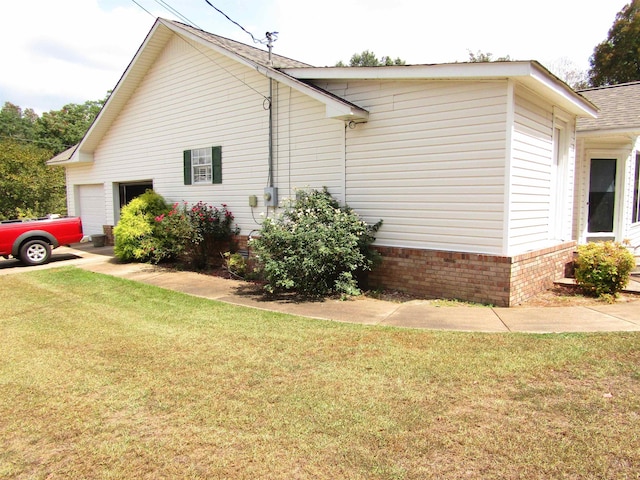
(570, 296)
(558, 296)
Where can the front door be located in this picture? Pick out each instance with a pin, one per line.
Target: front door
(601, 223)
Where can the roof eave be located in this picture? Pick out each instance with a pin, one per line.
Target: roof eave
(133, 74)
(529, 73)
(604, 132)
(336, 108)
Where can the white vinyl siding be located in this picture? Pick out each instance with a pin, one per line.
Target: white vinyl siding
(433, 161)
(430, 162)
(219, 102)
(534, 215)
(309, 147)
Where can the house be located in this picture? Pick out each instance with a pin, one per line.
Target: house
(607, 201)
(470, 165)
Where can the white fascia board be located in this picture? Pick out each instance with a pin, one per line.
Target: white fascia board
(336, 108)
(542, 81)
(444, 71)
(617, 132)
(528, 73)
(133, 74)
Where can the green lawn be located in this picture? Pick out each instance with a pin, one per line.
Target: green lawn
(105, 378)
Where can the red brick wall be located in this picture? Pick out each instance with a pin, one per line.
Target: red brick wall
(490, 279)
(534, 272)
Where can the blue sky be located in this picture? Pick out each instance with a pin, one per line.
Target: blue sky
(55, 52)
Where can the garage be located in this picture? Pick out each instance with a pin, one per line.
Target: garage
(91, 208)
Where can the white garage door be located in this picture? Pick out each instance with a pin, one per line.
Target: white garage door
(92, 208)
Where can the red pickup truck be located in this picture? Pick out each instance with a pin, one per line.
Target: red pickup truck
(32, 240)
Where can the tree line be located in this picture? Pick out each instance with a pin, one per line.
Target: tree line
(615, 60)
(28, 187)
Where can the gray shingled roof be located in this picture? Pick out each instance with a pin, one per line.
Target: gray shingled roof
(250, 53)
(619, 108)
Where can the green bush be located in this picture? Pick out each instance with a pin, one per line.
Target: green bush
(603, 268)
(315, 247)
(196, 233)
(134, 234)
(236, 264)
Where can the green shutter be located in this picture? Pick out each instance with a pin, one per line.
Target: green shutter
(216, 159)
(187, 167)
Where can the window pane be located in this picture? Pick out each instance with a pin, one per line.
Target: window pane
(202, 174)
(201, 165)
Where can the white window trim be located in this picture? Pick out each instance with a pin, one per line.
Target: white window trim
(200, 154)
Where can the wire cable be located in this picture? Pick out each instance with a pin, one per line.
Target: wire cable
(255, 40)
(28, 140)
(204, 54)
(177, 13)
(134, 1)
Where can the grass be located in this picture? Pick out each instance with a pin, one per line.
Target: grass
(106, 378)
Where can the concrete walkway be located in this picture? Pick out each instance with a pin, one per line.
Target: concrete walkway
(412, 314)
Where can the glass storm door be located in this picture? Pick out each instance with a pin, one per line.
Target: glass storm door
(602, 195)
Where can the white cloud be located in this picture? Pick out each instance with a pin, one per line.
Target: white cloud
(430, 32)
(62, 51)
(66, 51)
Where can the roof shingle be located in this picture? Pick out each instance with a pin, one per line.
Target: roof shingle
(250, 53)
(619, 108)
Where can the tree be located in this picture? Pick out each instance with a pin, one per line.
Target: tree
(64, 128)
(481, 57)
(617, 59)
(28, 187)
(369, 59)
(567, 71)
(16, 123)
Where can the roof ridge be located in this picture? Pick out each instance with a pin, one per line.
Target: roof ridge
(603, 87)
(241, 48)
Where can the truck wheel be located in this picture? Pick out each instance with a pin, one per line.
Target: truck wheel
(35, 252)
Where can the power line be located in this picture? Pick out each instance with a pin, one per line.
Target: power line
(255, 40)
(170, 9)
(27, 140)
(134, 1)
(202, 52)
(176, 12)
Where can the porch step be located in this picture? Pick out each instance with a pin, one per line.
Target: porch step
(632, 287)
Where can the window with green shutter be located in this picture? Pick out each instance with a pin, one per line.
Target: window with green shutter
(202, 166)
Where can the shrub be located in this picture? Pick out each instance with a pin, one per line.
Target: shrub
(603, 268)
(315, 247)
(235, 263)
(135, 231)
(195, 233)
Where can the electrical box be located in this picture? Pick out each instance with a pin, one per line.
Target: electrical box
(253, 201)
(271, 197)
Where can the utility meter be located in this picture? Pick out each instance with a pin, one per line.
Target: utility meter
(271, 196)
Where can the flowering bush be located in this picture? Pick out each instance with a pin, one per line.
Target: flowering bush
(315, 247)
(193, 232)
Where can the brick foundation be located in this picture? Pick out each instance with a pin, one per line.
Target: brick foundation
(489, 279)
